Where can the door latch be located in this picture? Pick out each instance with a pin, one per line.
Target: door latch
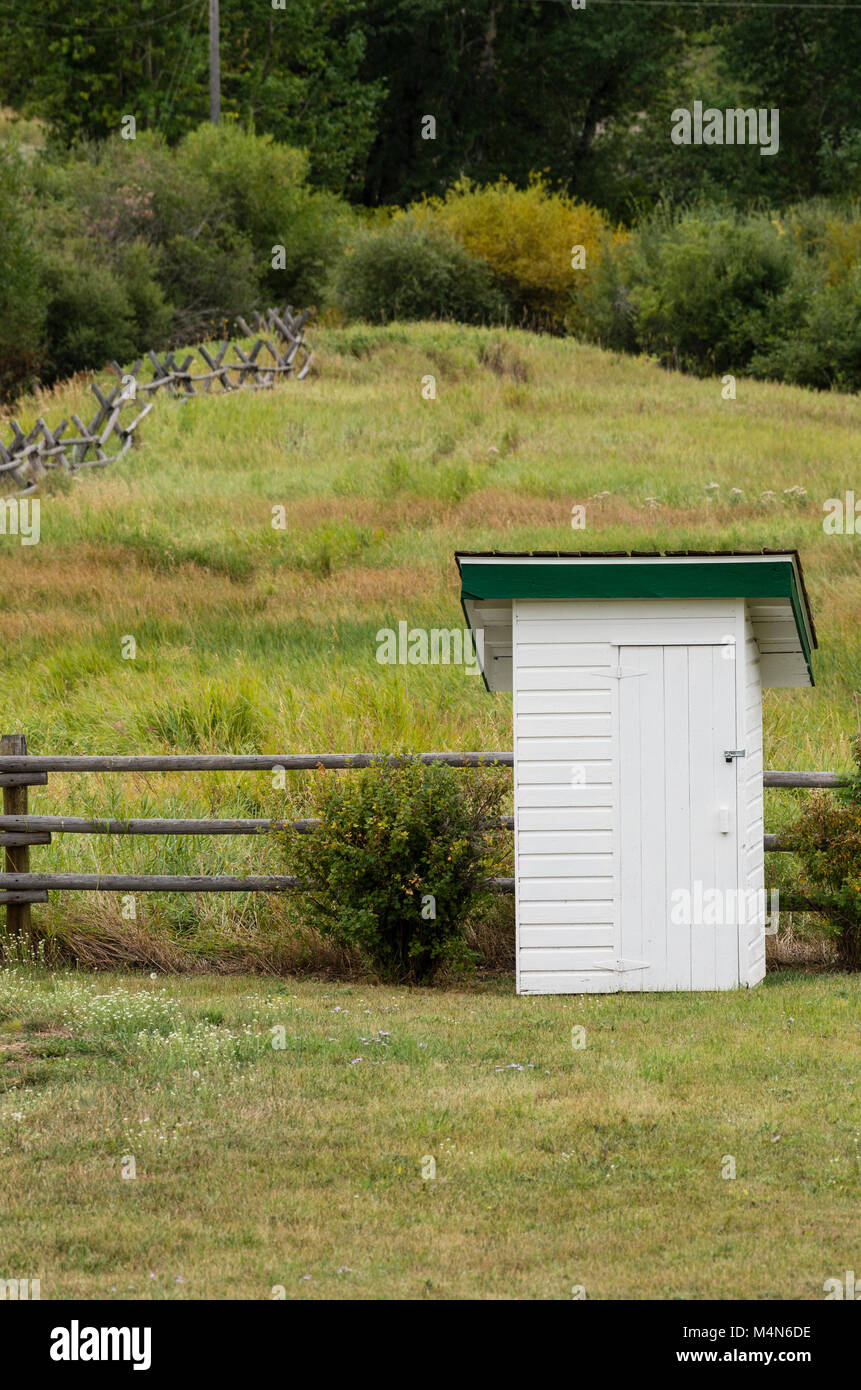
(730, 753)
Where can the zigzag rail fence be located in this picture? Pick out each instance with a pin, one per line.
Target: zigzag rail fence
(28, 456)
(19, 830)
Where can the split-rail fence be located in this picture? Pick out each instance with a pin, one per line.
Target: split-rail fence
(19, 829)
(280, 351)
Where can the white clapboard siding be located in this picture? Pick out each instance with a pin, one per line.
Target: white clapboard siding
(566, 678)
(552, 840)
(588, 913)
(752, 935)
(567, 982)
(592, 819)
(553, 655)
(559, 866)
(571, 889)
(564, 747)
(593, 749)
(640, 610)
(544, 795)
(553, 937)
(596, 725)
(619, 777)
(591, 958)
(560, 703)
(595, 772)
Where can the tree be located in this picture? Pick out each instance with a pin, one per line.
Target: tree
(22, 296)
(513, 88)
(291, 72)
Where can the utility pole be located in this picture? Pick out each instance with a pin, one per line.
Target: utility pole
(214, 65)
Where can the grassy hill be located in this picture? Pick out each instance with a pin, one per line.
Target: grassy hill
(256, 639)
(602, 1169)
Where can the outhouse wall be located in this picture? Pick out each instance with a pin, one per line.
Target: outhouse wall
(752, 940)
(612, 691)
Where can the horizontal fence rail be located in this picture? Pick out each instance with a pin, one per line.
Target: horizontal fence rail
(307, 762)
(26, 829)
(19, 830)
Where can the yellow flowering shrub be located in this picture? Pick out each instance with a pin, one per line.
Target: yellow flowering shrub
(528, 237)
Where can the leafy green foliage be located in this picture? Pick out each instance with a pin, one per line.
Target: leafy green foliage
(116, 248)
(709, 291)
(398, 863)
(526, 236)
(292, 72)
(22, 300)
(828, 837)
(696, 282)
(584, 97)
(410, 270)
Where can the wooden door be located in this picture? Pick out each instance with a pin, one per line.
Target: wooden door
(677, 810)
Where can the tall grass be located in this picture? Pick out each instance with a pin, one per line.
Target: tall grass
(254, 638)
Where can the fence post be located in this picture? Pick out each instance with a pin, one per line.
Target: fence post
(18, 856)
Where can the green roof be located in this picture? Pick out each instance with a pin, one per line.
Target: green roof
(760, 575)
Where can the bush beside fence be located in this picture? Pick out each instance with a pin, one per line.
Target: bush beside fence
(19, 830)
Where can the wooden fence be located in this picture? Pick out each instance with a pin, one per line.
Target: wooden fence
(19, 829)
(72, 444)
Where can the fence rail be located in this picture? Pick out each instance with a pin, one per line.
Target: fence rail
(28, 456)
(304, 762)
(19, 830)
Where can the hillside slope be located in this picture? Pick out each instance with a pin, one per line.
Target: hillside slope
(251, 638)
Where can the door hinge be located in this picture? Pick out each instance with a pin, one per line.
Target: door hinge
(617, 673)
(632, 965)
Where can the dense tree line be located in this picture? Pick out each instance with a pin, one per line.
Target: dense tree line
(515, 86)
(384, 159)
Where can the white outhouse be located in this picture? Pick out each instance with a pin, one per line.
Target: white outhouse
(638, 766)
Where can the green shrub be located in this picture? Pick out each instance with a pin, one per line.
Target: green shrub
(811, 334)
(405, 270)
(698, 284)
(263, 187)
(89, 318)
(181, 239)
(828, 840)
(398, 863)
(210, 281)
(526, 236)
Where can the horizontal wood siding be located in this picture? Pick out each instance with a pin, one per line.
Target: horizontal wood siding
(566, 776)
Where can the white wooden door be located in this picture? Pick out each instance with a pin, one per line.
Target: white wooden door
(677, 819)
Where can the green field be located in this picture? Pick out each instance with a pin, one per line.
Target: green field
(556, 1167)
(256, 639)
(600, 1167)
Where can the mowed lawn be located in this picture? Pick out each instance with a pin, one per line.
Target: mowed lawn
(296, 1170)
